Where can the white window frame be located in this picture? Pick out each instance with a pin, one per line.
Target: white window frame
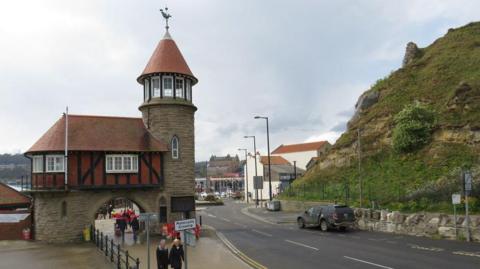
(170, 93)
(58, 163)
(147, 89)
(37, 164)
(175, 149)
(179, 90)
(189, 89)
(116, 163)
(156, 91)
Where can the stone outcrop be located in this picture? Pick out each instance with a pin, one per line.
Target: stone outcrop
(411, 52)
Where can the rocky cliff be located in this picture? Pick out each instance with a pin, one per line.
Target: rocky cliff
(445, 77)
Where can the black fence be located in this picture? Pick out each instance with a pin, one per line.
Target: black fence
(113, 252)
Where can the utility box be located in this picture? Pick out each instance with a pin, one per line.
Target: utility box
(273, 205)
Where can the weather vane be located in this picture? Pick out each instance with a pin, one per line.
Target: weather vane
(166, 16)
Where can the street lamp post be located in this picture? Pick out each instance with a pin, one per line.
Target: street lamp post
(269, 162)
(246, 170)
(255, 156)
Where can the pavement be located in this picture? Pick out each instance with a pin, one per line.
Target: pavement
(277, 243)
(209, 252)
(35, 255)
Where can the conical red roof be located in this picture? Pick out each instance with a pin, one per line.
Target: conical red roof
(166, 58)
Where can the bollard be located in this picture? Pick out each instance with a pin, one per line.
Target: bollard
(106, 245)
(101, 241)
(138, 263)
(126, 259)
(118, 257)
(111, 250)
(200, 220)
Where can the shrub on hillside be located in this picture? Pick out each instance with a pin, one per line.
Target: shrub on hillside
(413, 128)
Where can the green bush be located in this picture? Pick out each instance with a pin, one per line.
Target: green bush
(413, 128)
(210, 198)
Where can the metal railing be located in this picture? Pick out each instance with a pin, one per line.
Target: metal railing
(114, 252)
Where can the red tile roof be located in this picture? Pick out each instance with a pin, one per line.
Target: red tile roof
(166, 58)
(276, 160)
(99, 133)
(10, 196)
(299, 147)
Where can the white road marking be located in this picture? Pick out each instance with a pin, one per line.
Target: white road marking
(262, 233)
(224, 219)
(302, 245)
(367, 262)
(210, 215)
(426, 248)
(465, 253)
(342, 235)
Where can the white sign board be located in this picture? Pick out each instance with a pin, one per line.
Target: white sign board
(258, 182)
(186, 224)
(145, 216)
(456, 199)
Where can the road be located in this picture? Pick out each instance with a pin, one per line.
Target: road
(285, 246)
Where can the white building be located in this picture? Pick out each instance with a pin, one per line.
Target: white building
(282, 173)
(301, 153)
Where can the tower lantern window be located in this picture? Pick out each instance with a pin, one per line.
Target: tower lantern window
(147, 89)
(179, 88)
(189, 90)
(156, 86)
(175, 147)
(168, 86)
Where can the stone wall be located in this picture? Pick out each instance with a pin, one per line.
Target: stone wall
(418, 224)
(81, 206)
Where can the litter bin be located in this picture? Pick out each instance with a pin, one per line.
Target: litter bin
(86, 234)
(273, 205)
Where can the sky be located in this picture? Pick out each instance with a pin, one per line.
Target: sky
(301, 63)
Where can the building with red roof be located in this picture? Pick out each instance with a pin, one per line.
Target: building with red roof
(302, 153)
(83, 161)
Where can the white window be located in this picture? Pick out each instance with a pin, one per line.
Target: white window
(189, 90)
(37, 164)
(156, 86)
(147, 89)
(121, 163)
(175, 147)
(179, 88)
(168, 86)
(55, 163)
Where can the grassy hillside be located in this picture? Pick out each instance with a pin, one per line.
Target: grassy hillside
(445, 78)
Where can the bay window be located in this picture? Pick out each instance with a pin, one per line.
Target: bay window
(121, 163)
(147, 89)
(189, 90)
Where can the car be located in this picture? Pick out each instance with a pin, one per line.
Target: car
(203, 195)
(223, 194)
(327, 216)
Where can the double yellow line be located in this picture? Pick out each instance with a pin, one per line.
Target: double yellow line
(240, 254)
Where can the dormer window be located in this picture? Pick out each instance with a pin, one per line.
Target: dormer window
(156, 86)
(175, 147)
(179, 88)
(167, 86)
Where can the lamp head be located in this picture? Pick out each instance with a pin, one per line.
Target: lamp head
(257, 117)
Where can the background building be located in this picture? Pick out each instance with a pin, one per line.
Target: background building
(302, 153)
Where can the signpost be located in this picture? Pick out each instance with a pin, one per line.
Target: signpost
(147, 217)
(467, 178)
(456, 200)
(183, 226)
(258, 185)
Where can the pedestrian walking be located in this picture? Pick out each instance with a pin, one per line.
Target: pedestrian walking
(135, 227)
(122, 225)
(162, 255)
(110, 210)
(176, 256)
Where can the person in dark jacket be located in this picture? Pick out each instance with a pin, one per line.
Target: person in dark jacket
(135, 227)
(122, 225)
(162, 255)
(176, 255)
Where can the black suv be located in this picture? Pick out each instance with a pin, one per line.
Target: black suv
(327, 216)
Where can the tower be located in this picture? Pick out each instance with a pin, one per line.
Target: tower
(168, 114)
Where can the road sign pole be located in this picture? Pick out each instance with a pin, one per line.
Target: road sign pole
(148, 242)
(467, 180)
(185, 249)
(467, 218)
(455, 220)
